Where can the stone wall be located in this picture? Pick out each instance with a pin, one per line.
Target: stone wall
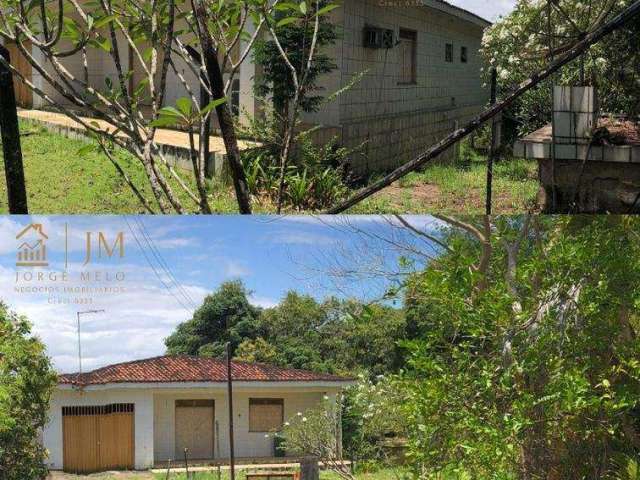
(598, 187)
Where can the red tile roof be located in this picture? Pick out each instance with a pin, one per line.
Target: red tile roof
(184, 368)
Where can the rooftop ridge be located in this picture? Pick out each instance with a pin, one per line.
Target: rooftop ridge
(192, 368)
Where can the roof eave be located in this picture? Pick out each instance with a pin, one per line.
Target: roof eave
(237, 384)
(457, 12)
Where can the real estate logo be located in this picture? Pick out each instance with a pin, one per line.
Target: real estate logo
(88, 264)
(32, 251)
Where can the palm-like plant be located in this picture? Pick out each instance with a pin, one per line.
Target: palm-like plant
(626, 467)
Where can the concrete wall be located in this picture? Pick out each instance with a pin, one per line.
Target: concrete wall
(143, 424)
(247, 444)
(396, 121)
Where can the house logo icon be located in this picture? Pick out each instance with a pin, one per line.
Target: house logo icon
(32, 251)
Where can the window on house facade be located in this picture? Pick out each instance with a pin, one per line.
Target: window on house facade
(407, 40)
(464, 55)
(266, 414)
(448, 52)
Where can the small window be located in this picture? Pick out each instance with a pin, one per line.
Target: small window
(266, 414)
(407, 40)
(448, 52)
(463, 55)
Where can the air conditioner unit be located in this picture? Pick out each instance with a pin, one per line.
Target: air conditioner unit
(375, 37)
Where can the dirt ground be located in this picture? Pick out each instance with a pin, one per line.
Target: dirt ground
(102, 476)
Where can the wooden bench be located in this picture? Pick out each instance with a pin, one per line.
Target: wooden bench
(273, 475)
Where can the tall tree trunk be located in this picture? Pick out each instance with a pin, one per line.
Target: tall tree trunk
(225, 117)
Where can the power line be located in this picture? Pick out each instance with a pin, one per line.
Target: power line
(163, 264)
(189, 310)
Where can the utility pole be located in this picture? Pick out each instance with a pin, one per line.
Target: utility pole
(86, 312)
(10, 134)
(232, 468)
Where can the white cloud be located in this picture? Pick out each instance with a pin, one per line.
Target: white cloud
(263, 302)
(133, 325)
(234, 269)
(488, 9)
(289, 237)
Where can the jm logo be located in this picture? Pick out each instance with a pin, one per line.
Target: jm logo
(103, 246)
(32, 252)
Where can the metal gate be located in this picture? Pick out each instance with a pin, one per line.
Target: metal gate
(98, 437)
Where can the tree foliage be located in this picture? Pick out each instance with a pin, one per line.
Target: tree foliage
(526, 40)
(515, 355)
(225, 316)
(314, 432)
(295, 39)
(26, 383)
(334, 336)
(528, 367)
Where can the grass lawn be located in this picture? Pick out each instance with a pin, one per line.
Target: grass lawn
(460, 188)
(60, 180)
(385, 474)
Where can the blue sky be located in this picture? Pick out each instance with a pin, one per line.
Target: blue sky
(320, 256)
(489, 9)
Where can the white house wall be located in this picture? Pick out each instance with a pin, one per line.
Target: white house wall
(247, 444)
(154, 415)
(330, 83)
(100, 64)
(143, 425)
(395, 120)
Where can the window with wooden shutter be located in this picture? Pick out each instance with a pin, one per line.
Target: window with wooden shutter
(448, 53)
(266, 414)
(407, 57)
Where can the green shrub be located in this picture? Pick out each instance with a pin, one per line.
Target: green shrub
(315, 177)
(26, 382)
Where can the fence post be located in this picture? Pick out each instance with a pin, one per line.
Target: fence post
(309, 469)
(186, 464)
(13, 168)
(492, 147)
(168, 469)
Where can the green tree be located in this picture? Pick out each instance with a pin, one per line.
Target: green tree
(258, 350)
(334, 336)
(295, 38)
(26, 383)
(225, 316)
(369, 339)
(528, 360)
(339, 336)
(525, 41)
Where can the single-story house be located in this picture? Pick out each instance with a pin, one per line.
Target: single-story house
(138, 414)
(421, 76)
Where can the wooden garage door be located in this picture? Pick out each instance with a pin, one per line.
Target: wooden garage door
(194, 428)
(98, 438)
(24, 95)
